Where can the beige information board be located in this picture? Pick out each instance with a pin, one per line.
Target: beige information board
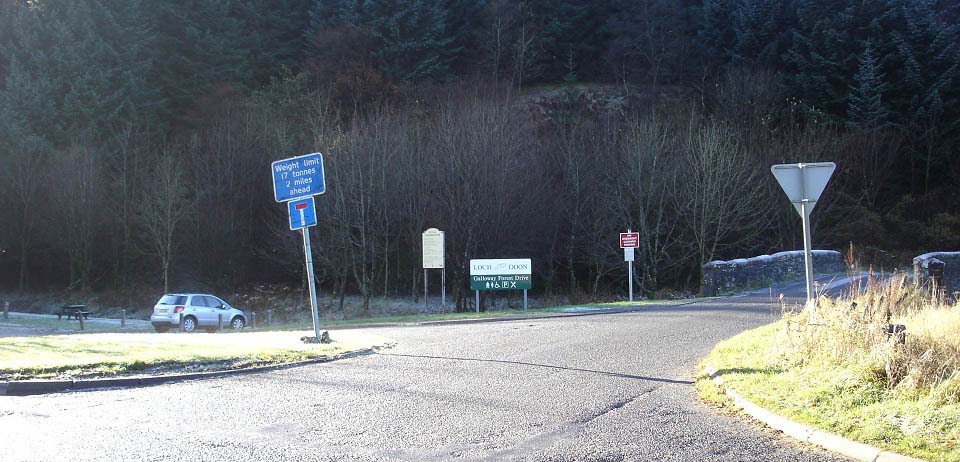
(433, 248)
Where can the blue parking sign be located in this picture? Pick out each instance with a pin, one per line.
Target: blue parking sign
(298, 177)
(302, 213)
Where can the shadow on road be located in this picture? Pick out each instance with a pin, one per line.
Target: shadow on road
(547, 366)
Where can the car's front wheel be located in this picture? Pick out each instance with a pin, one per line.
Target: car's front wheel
(237, 323)
(189, 324)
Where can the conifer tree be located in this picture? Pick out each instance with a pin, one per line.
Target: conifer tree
(411, 38)
(760, 28)
(651, 40)
(274, 35)
(865, 101)
(826, 45)
(715, 32)
(925, 64)
(198, 44)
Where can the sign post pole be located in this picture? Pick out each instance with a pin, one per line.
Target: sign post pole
(313, 289)
(807, 246)
(477, 295)
(425, 290)
(296, 181)
(808, 259)
(629, 241)
(807, 242)
(443, 288)
(630, 272)
(524, 299)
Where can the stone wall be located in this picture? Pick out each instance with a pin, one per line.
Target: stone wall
(922, 265)
(730, 276)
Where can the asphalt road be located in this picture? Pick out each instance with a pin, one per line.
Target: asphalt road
(613, 387)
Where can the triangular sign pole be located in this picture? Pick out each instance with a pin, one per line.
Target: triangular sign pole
(803, 184)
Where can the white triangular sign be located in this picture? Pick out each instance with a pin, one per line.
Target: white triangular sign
(803, 182)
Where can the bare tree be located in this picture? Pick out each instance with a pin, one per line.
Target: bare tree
(77, 196)
(719, 193)
(486, 180)
(523, 48)
(124, 167)
(643, 194)
(24, 176)
(165, 207)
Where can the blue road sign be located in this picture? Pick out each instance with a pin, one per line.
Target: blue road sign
(302, 213)
(298, 177)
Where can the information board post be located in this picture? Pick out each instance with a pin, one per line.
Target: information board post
(433, 255)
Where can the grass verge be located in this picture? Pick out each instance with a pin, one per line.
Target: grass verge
(52, 325)
(454, 316)
(104, 355)
(844, 375)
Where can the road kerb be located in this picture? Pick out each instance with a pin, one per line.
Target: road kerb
(887, 456)
(519, 317)
(845, 446)
(37, 387)
(41, 387)
(806, 433)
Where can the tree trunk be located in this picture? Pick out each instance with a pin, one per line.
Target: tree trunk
(22, 284)
(166, 274)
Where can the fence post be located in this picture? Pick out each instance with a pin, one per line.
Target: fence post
(6, 310)
(270, 317)
(253, 320)
(219, 321)
(80, 318)
(123, 319)
(180, 324)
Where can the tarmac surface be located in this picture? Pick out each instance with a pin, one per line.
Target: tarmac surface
(609, 387)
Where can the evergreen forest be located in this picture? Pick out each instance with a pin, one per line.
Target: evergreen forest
(136, 137)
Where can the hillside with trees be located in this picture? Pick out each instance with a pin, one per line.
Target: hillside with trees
(136, 137)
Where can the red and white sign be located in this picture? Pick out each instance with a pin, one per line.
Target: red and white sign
(629, 240)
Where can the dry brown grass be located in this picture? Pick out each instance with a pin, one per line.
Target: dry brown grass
(852, 331)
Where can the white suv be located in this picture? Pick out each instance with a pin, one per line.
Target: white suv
(196, 310)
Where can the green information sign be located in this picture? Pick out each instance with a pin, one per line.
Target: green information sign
(500, 282)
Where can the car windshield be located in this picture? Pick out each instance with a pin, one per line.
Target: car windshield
(173, 300)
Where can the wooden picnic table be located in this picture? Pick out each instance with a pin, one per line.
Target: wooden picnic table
(71, 311)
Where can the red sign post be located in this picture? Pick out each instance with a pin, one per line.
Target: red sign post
(629, 240)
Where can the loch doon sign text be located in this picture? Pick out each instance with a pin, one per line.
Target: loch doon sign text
(500, 274)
